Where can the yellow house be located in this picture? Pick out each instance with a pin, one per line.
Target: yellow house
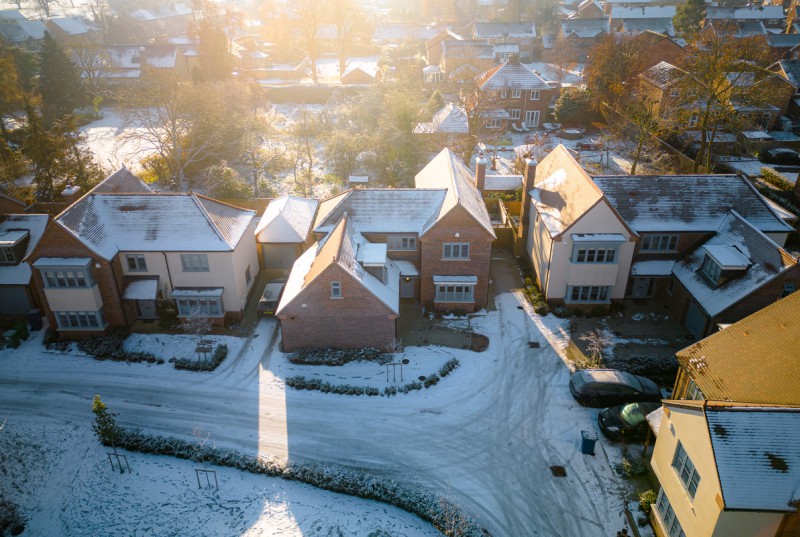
(727, 454)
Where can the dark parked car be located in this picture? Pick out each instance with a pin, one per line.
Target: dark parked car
(272, 295)
(608, 387)
(781, 155)
(626, 420)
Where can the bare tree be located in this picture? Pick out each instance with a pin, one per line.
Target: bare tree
(94, 61)
(596, 342)
(646, 126)
(347, 20)
(309, 20)
(262, 147)
(303, 149)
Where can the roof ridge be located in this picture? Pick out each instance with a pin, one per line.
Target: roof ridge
(763, 200)
(761, 234)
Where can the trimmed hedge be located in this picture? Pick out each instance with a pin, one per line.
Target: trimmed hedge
(448, 367)
(189, 364)
(314, 356)
(111, 347)
(772, 177)
(438, 511)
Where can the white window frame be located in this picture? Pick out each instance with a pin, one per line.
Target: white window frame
(588, 294)
(516, 94)
(401, 243)
(596, 254)
(535, 95)
(455, 251)
(693, 392)
(694, 119)
(503, 94)
(67, 278)
(516, 113)
(493, 123)
(667, 516)
(8, 255)
(659, 243)
(138, 261)
(788, 289)
(711, 269)
(684, 467)
(199, 306)
(80, 320)
(674, 92)
(194, 263)
(336, 290)
(532, 118)
(461, 293)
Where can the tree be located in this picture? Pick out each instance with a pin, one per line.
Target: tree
(646, 123)
(303, 151)
(214, 58)
(347, 20)
(262, 147)
(574, 106)
(11, 97)
(546, 15)
(59, 83)
(562, 55)
(612, 68)
(94, 61)
(688, 17)
(105, 424)
(224, 182)
(309, 20)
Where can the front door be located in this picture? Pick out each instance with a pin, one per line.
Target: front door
(407, 287)
(146, 309)
(532, 118)
(642, 288)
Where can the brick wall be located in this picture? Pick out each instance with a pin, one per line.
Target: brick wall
(763, 297)
(57, 242)
(8, 206)
(687, 242)
(480, 252)
(356, 320)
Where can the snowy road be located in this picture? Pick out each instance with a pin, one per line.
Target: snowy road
(486, 436)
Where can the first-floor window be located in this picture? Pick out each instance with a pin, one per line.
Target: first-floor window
(80, 319)
(694, 120)
(336, 289)
(136, 262)
(493, 123)
(401, 242)
(199, 306)
(788, 289)
(194, 262)
(455, 293)
(659, 243)
(535, 95)
(515, 113)
(667, 516)
(685, 469)
(595, 255)
(588, 293)
(65, 278)
(516, 94)
(455, 250)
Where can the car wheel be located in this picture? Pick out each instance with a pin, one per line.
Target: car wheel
(594, 402)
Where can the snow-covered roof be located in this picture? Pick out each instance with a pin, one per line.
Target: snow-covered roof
(506, 48)
(660, 25)
(161, 56)
(74, 25)
(727, 257)
(108, 223)
(145, 289)
(13, 227)
(500, 30)
(502, 182)
(122, 181)
(643, 12)
(407, 268)
(62, 262)
(448, 171)
(764, 260)
(463, 280)
(287, 219)
(196, 291)
(450, 119)
(757, 456)
(687, 202)
(19, 31)
(663, 74)
(660, 267)
(473, 49)
(403, 31)
(585, 28)
(744, 13)
(341, 247)
(156, 12)
(11, 15)
(783, 40)
(372, 254)
(511, 75)
(381, 210)
(598, 237)
(654, 419)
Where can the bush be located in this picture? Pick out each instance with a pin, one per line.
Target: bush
(431, 380)
(629, 468)
(313, 356)
(189, 364)
(410, 387)
(448, 367)
(536, 298)
(303, 383)
(781, 198)
(111, 347)
(646, 499)
(563, 312)
(438, 511)
(772, 177)
(659, 368)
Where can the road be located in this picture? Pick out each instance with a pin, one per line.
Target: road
(487, 444)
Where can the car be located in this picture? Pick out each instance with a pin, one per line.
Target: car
(626, 420)
(781, 155)
(271, 296)
(609, 387)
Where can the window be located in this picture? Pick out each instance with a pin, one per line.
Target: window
(670, 286)
(788, 289)
(693, 120)
(456, 250)
(595, 255)
(336, 290)
(667, 516)
(247, 276)
(515, 114)
(194, 262)
(455, 293)
(693, 392)
(7, 254)
(199, 306)
(659, 243)
(711, 270)
(401, 243)
(534, 95)
(588, 293)
(685, 469)
(493, 123)
(516, 94)
(674, 92)
(772, 21)
(80, 319)
(67, 278)
(136, 262)
(532, 118)
(504, 94)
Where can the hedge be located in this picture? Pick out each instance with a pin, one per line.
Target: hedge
(189, 364)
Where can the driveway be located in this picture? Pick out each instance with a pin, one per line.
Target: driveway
(486, 440)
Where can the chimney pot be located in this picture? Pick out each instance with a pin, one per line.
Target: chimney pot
(480, 173)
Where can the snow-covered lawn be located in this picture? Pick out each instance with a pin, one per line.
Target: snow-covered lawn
(486, 437)
(103, 138)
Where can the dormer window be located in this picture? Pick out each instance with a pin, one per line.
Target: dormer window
(12, 246)
(722, 263)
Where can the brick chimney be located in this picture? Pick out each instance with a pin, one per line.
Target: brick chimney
(71, 193)
(480, 173)
(528, 181)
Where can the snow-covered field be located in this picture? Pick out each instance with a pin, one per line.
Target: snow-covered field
(103, 139)
(484, 437)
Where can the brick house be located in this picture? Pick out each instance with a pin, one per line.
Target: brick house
(657, 47)
(594, 239)
(19, 235)
(580, 35)
(771, 16)
(9, 205)
(523, 95)
(377, 246)
(107, 258)
(520, 35)
(463, 59)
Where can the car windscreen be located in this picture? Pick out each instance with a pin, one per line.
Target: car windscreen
(632, 414)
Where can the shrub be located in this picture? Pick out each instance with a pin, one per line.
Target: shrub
(313, 356)
(781, 198)
(410, 387)
(111, 347)
(646, 499)
(302, 383)
(658, 368)
(563, 312)
(189, 364)
(629, 468)
(389, 391)
(772, 177)
(448, 367)
(431, 508)
(431, 380)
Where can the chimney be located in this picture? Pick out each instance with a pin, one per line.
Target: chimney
(528, 181)
(71, 193)
(480, 173)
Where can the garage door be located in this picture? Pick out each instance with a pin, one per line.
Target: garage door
(695, 321)
(14, 301)
(279, 256)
